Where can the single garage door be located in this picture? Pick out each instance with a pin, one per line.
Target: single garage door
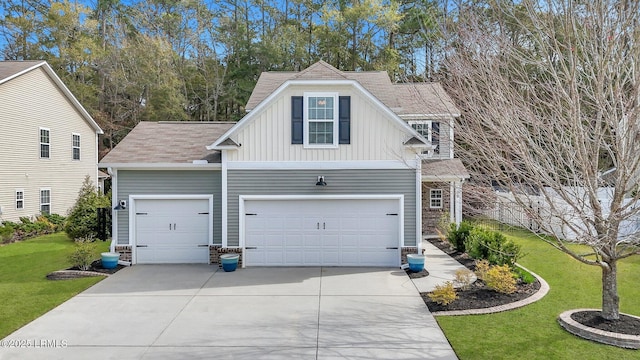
(172, 231)
(354, 232)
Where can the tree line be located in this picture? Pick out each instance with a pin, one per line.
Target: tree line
(197, 60)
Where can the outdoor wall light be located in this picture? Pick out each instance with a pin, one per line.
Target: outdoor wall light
(321, 181)
(122, 204)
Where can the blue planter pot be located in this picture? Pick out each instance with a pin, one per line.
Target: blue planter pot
(110, 260)
(416, 262)
(229, 262)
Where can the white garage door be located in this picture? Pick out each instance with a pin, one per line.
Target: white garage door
(172, 231)
(322, 232)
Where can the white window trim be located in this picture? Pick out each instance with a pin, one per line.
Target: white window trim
(429, 137)
(423, 122)
(41, 143)
(432, 198)
(40, 200)
(73, 147)
(305, 117)
(16, 198)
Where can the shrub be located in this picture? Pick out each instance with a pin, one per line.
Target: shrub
(443, 226)
(6, 232)
(463, 278)
(482, 266)
(443, 294)
(83, 220)
(501, 279)
(84, 253)
(524, 275)
(457, 235)
(56, 220)
(492, 246)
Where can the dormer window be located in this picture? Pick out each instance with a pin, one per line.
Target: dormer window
(321, 120)
(430, 130)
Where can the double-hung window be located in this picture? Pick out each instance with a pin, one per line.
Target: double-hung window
(45, 143)
(19, 199)
(435, 198)
(321, 119)
(75, 146)
(430, 130)
(45, 201)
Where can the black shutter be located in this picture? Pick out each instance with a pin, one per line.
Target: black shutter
(344, 120)
(296, 119)
(435, 136)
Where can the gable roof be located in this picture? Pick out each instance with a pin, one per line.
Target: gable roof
(10, 70)
(418, 99)
(378, 81)
(168, 142)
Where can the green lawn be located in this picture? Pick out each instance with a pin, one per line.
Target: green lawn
(25, 293)
(532, 332)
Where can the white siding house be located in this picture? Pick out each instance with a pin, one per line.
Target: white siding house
(48, 142)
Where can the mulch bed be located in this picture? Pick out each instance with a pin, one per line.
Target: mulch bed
(626, 325)
(96, 269)
(478, 296)
(417, 274)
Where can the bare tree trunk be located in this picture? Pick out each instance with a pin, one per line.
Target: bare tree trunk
(610, 298)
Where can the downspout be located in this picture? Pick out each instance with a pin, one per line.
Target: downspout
(223, 198)
(418, 204)
(114, 214)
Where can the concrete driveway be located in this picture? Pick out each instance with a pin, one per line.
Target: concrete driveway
(196, 311)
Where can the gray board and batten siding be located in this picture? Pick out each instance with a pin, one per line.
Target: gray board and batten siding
(169, 182)
(339, 182)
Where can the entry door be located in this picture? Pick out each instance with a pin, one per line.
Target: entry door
(322, 232)
(172, 231)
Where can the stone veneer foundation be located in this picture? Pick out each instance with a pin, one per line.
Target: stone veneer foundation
(125, 252)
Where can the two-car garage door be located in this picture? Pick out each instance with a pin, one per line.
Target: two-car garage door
(331, 232)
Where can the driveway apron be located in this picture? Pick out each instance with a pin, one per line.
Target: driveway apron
(198, 311)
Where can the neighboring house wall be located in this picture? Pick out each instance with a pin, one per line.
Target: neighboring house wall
(168, 182)
(373, 135)
(302, 182)
(27, 103)
(431, 216)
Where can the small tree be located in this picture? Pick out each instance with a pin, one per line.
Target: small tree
(82, 221)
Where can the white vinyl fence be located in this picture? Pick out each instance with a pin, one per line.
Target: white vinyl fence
(507, 211)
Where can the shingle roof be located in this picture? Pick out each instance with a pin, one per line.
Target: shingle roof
(168, 142)
(424, 98)
(403, 99)
(11, 68)
(443, 170)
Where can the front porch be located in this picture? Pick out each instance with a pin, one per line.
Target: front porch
(441, 192)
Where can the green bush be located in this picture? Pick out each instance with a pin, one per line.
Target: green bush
(492, 246)
(457, 235)
(524, 275)
(6, 232)
(83, 220)
(84, 253)
(55, 219)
